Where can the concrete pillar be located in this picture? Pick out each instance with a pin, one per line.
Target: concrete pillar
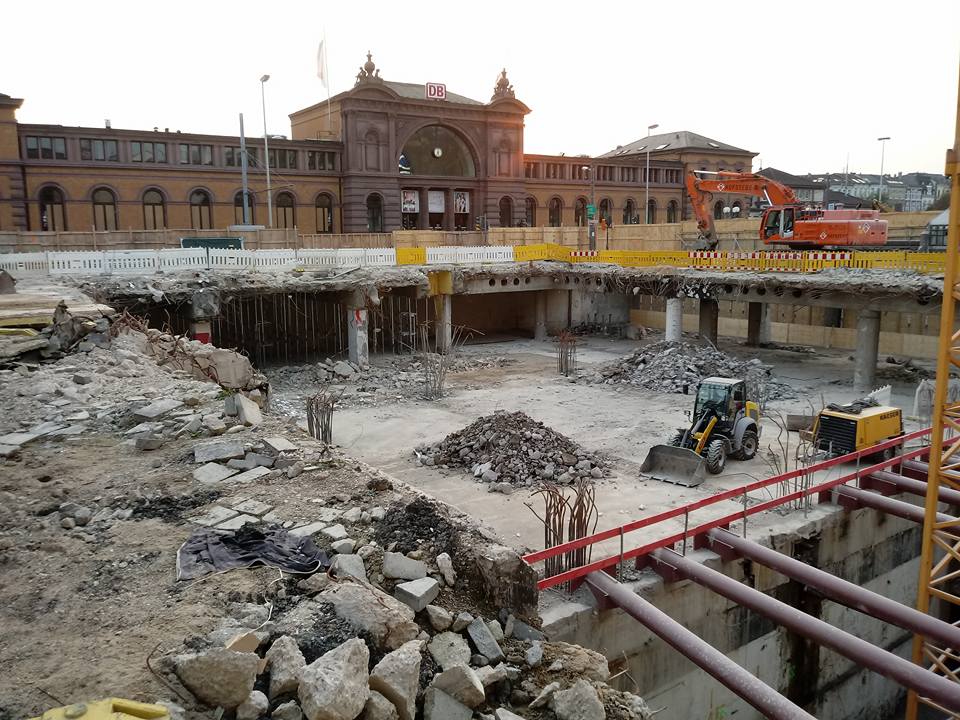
(865, 358)
(423, 222)
(709, 317)
(540, 322)
(674, 326)
(443, 304)
(758, 324)
(357, 337)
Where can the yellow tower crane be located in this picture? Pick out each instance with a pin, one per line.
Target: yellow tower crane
(940, 551)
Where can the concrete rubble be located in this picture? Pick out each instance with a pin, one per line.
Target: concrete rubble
(673, 367)
(514, 449)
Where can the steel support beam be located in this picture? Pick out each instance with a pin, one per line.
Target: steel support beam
(852, 498)
(904, 672)
(917, 487)
(746, 685)
(723, 542)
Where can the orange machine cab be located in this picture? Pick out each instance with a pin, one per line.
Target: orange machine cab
(799, 228)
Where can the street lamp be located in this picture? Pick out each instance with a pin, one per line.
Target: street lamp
(883, 145)
(592, 223)
(266, 147)
(646, 200)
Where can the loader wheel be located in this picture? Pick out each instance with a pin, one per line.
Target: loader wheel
(715, 456)
(748, 445)
(677, 439)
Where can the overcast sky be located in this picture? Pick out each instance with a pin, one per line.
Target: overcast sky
(802, 84)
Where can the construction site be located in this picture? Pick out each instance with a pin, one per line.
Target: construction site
(699, 469)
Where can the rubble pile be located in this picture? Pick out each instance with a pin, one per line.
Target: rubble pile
(669, 366)
(509, 449)
(388, 380)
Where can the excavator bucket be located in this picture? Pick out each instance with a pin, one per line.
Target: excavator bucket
(676, 465)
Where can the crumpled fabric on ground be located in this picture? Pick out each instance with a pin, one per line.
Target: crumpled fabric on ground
(208, 551)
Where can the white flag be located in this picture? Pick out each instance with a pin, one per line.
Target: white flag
(322, 64)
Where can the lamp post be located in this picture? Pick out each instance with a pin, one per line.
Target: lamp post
(592, 223)
(883, 145)
(266, 148)
(646, 199)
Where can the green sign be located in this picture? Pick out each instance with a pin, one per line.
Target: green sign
(591, 211)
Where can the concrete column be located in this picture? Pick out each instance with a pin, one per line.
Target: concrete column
(448, 209)
(865, 358)
(443, 304)
(709, 317)
(674, 326)
(540, 326)
(758, 324)
(424, 220)
(357, 337)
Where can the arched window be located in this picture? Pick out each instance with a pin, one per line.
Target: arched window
(52, 213)
(651, 211)
(506, 212)
(580, 212)
(200, 210)
(629, 213)
(284, 211)
(531, 215)
(606, 212)
(420, 157)
(238, 209)
(154, 211)
(104, 210)
(672, 212)
(324, 213)
(556, 212)
(374, 213)
(718, 210)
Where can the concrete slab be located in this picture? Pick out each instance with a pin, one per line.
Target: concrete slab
(157, 409)
(218, 451)
(311, 529)
(212, 473)
(250, 475)
(17, 438)
(237, 522)
(279, 444)
(215, 515)
(253, 507)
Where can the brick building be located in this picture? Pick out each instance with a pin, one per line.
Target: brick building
(378, 157)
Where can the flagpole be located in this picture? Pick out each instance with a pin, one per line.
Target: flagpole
(326, 79)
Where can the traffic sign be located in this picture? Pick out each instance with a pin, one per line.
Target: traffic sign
(591, 211)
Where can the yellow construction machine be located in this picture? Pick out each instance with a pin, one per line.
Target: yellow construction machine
(724, 423)
(841, 429)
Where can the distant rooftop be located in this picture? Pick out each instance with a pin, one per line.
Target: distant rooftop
(414, 91)
(682, 140)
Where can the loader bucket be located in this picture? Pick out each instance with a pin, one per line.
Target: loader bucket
(676, 465)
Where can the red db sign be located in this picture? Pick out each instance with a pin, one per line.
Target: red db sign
(436, 91)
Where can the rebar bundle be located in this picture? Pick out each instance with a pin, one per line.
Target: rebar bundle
(320, 414)
(566, 353)
(566, 519)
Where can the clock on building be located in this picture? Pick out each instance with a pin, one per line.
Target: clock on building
(437, 152)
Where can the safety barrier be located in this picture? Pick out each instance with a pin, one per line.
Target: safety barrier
(150, 261)
(802, 477)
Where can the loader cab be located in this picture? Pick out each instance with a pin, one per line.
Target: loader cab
(777, 224)
(723, 396)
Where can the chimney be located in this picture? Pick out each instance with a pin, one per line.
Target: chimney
(106, 123)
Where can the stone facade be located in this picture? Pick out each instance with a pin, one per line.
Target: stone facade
(376, 158)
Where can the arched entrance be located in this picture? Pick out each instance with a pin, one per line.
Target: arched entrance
(506, 212)
(435, 151)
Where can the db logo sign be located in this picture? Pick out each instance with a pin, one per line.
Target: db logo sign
(436, 91)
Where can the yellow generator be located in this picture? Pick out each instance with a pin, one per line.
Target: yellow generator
(842, 429)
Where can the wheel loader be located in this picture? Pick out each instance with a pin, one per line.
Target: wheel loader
(724, 423)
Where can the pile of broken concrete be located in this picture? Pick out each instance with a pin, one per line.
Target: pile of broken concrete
(670, 367)
(353, 651)
(511, 449)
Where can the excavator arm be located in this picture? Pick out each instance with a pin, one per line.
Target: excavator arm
(702, 189)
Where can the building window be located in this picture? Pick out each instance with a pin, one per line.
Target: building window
(233, 158)
(580, 212)
(104, 210)
(374, 213)
(321, 160)
(200, 210)
(324, 213)
(93, 149)
(718, 210)
(52, 214)
(530, 212)
(506, 212)
(196, 154)
(531, 170)
(284, 211)
(283, 159)
(581, 172)
(238, 209)
(672, 211)
(630, 213)
(651, 211)
(556, 212)
(46, 148)
(605, 211)
(154, 211)
(148, 152)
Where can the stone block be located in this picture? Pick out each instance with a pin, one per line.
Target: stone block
(157, 409)
(237, 522)
(248, 412)
(250, 475)
(484, 641)
(397, 678)
(417, 593)
(462, 684)
(449, 649)
(399, 567)
(214, 451)
(349, 565)
(212, 473)
(334, 686)
(437, 705)
(279, 444)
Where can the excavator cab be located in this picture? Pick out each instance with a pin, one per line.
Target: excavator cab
(777, 224)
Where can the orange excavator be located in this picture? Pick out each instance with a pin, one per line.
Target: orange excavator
(786, 221)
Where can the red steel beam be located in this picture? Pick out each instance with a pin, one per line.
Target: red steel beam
(723, 542)
(850, 496)
(672, 565)
(916, 487)
(746, 685)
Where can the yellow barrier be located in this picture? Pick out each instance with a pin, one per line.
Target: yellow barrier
(543, 251)
(412, 256)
